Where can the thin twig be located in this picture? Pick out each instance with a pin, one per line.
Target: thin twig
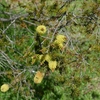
(14, 17)
(8, 26)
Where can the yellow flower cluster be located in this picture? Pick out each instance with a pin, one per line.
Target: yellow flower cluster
(41, 29)
(4, 88)
(38, 77)
(60, 39)
(52, 65)
(46, 58)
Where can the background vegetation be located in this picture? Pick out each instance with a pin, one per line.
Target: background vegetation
(77, 76)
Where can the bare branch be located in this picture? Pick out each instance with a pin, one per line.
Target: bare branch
(13, 17)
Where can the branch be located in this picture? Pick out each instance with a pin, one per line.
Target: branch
(14, 17)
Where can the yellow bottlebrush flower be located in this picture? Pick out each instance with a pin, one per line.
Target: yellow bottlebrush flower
(52, 65)
(61, 38)
(41, 29)
(40, 57)
(59, 44)
(4, 87)
(38, 77)
(33, 59)
(56, 42)
(47, 58)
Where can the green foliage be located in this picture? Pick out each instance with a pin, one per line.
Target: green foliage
(76, 76)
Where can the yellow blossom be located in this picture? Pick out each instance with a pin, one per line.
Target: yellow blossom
(47, 58)
(56, 42)
(38, 77)
(4, 87)
(33, 59)
(41, 29)
(61, 38)
(52, 65)
(59, 44)
(40, 57)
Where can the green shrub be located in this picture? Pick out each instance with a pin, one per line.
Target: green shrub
(56, 61)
